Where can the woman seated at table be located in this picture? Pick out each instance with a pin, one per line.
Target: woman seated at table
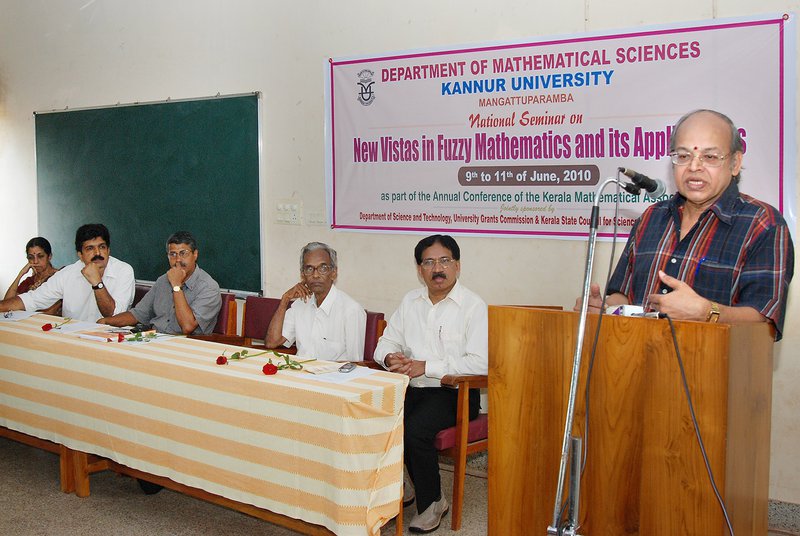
(39, 255)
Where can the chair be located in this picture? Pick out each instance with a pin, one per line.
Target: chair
(226, 321)
(466, 437)
(375, 326)
(380, 326)
(224, 331)
(141, 290)
(256, 316)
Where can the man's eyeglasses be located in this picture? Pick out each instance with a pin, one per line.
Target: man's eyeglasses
(684, 158)
(445, 262)
(322, 269)
(184, 253)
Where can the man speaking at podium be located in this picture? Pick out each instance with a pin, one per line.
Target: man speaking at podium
(709, 253)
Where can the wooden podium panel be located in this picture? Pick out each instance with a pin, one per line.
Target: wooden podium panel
(644, 473)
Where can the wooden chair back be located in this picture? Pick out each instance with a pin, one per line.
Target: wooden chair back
(226, 321)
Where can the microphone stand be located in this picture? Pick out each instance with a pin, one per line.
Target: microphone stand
(572, 456)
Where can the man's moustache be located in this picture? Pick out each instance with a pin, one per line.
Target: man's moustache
(439, 274)
(98, 258)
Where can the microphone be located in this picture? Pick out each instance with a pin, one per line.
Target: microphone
(654, 187)
(632, 188)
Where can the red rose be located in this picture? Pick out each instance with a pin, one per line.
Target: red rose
(222, 360)
(269, 369)
(48, 327)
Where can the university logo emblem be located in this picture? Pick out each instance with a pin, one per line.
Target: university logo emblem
(366, 95)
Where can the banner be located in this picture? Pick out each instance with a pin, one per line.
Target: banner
(516, 138)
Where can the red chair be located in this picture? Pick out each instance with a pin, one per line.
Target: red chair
(380, 325)
(256, 316)
(466, 437)
(226, 321)
(138, 294)
(375, 326)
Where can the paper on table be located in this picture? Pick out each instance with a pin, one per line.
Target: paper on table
(322, 367)
(339, 377)
(104, 336)
(94, 337)
(74, 326)
(13, 316)
(151, 337)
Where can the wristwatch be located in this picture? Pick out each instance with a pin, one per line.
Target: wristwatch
(98, 286)
(176, 288)
(713, 313)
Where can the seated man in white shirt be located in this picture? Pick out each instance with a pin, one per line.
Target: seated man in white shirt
(323, 321)
(95, 285)
(439, 329)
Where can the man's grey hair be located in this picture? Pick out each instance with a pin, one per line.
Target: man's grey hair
(314, 246)
(737, 145)
(182, 237)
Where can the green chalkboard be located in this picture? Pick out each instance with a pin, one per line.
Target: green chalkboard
(148, 170)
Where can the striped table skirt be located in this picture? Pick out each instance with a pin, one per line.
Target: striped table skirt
(330, 454)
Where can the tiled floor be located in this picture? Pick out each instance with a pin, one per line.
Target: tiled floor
(32, 504)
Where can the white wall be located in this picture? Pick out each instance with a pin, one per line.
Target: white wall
(55, 54)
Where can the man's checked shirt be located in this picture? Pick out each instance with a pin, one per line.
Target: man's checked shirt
(739, 253)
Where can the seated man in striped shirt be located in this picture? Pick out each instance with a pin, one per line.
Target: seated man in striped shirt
(709, 253)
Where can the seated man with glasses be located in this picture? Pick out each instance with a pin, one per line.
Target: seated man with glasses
(185, 300)
(323, 321)
(439, 329)
(709, 253)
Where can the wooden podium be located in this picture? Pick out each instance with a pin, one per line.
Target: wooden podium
(644, 473)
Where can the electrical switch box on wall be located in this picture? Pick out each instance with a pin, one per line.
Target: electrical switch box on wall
(289, 211)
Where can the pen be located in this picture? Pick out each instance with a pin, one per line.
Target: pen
(697, 269)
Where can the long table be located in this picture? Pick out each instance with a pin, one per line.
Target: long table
(327, 454)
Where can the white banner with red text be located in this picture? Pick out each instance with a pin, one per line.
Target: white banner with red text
(516, 138)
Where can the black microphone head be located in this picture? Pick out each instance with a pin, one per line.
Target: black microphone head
(631, 188)
(657, 191)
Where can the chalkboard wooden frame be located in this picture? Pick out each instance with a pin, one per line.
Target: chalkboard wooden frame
(148, 170)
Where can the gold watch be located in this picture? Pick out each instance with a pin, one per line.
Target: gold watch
(713, 313)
